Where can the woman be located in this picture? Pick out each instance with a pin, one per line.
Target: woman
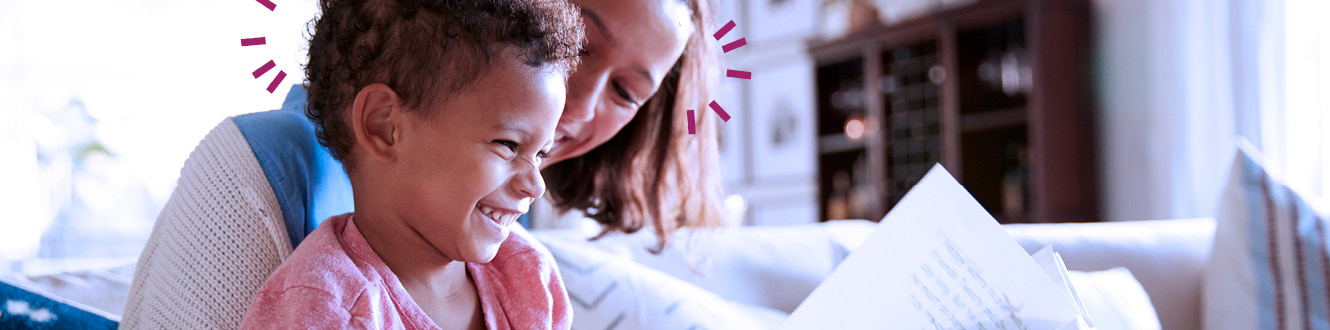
(622, 154)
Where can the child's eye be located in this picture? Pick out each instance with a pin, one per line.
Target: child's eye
(540, 158)
(512, 146)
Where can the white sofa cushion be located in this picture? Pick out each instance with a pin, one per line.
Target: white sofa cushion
(1115, 300)
(613, 292)
(1270, 268)
(742, 264)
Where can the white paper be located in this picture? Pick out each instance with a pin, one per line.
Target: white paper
(937, 261)
(1051, 262)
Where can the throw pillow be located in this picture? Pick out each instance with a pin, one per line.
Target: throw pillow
(1270, 266)
(22, 308)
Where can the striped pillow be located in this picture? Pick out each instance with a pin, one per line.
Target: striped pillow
(1270, 268)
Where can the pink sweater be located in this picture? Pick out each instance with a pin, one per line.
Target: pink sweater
(334, 280)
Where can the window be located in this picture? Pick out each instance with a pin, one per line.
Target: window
(103, 101)
(1294, 126)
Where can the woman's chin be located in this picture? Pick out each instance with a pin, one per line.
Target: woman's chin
(573, 146)
(556, 156)
(560, 154)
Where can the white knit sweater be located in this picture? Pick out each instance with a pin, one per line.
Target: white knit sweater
(219, 237)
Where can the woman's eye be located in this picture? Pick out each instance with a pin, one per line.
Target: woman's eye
(624, 95)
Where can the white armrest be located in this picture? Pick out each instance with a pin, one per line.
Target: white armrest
(1168, 257)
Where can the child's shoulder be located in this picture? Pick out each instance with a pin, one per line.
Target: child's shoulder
(324, 263)
(520, 275)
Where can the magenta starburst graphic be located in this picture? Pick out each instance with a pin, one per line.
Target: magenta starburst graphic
(721, 112)
(253, 41)
(259, 41)
(271, 6)
(276, 81)
(692, 123)
(724, 116)
(264, 69)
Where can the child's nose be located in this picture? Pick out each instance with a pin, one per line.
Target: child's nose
(529, 182)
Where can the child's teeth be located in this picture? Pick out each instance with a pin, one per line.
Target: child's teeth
(495, 214)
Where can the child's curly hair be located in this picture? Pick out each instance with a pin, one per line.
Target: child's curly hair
(420, 48)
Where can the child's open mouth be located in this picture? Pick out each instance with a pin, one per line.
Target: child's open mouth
(501, 216)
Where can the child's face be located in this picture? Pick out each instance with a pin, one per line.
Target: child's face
(470, 165)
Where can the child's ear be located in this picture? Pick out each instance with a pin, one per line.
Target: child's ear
(374, 116)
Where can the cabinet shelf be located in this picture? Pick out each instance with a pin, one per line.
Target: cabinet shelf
(836, 143)
(989, 120)
(995, 90)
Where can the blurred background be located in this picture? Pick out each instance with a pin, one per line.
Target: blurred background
(1046, 110)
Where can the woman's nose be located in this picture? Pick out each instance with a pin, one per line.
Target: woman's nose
(583, 91)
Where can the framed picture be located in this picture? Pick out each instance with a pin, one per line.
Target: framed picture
(782, 113)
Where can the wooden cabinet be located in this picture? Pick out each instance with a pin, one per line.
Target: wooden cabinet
(998, 91)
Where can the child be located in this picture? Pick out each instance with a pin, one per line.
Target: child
(441, 112)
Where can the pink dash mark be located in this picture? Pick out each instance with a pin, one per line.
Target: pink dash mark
(723, 115)
(266, 3)
(253, 41)
(736, 44)
(692, 128)
(738, 74)
(276, 81)
(724, 29)
(264, 69)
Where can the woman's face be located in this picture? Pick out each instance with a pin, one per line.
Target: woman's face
(631, 45)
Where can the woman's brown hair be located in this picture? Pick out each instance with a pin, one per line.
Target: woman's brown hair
(652, 173)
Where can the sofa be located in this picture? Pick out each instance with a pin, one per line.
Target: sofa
(775, 268)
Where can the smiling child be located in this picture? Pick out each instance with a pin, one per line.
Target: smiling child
(441, 113)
